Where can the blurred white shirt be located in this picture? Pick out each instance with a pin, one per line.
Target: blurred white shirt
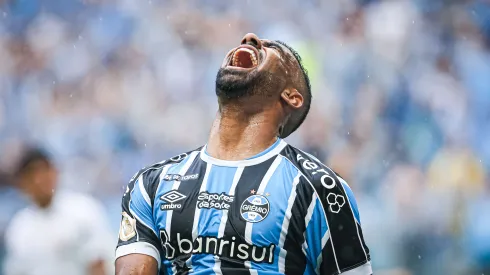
(62, 239)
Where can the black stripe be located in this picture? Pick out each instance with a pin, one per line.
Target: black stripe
(183, 219)
(363, 242)
(295, 258)
(151, 178)
(343, 230)
(328, 265)
(235, 226)
(342, 225)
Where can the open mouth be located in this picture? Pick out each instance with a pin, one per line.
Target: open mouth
(245, 58)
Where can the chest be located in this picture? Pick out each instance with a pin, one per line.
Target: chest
(53, 235)
(237, 212)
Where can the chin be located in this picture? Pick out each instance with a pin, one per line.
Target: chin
(233, 83)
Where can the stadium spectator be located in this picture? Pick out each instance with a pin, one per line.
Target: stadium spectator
(60, 232)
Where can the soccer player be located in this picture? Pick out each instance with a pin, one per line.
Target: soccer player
(246, 202)
(61, 233)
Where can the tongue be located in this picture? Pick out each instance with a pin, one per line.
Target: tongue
(243, 59)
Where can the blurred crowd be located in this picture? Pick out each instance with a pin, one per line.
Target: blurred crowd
(401, 104)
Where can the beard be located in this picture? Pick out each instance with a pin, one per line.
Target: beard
(232, 84)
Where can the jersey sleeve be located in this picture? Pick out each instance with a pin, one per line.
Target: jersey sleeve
(336, 222)
(137, 233)
(334, 243)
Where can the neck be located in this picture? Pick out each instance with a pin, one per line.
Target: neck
(43, 203)
(237, 135)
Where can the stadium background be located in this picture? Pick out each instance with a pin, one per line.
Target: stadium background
(401, 104)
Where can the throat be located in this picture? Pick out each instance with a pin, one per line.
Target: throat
(232, 138)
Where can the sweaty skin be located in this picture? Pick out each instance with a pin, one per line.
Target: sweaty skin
(248, 123)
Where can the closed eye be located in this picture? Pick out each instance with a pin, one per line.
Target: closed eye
(276, 48)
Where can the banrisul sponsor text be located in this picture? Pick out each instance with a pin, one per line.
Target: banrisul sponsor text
(230, 248)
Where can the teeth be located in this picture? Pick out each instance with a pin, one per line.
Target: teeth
(252, 56)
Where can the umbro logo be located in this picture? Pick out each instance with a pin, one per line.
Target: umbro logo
(169, 200)
(172, 196)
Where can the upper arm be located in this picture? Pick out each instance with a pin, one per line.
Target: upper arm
(138, 239)
(136, 264)
(97, 268)
(333, 237)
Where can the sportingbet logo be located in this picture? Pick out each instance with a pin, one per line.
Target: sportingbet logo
(217, 246)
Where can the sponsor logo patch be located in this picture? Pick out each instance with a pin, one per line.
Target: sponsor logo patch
(177, 177)
(230, 248)
(335, 201)
(255, 208)
(128, 227)
(169, 200)
(213, 200)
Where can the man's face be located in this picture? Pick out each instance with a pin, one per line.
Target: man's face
(39, 182)
(256, 67)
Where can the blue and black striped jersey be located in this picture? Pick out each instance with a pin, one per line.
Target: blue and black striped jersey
(281, 212)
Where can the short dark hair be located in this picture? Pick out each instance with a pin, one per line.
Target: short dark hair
(30, 156)
(294, 123)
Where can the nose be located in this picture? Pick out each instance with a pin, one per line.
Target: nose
(252, 39)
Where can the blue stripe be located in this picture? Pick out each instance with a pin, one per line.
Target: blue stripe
(352, 200)
(160, 217)
(310, 270)
(140, 208)
(220, 179)
(316, 228)
(279, 189)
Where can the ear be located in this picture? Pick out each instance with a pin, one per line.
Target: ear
(293, 98)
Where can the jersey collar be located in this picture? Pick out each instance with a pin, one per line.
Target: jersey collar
(273, 150)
